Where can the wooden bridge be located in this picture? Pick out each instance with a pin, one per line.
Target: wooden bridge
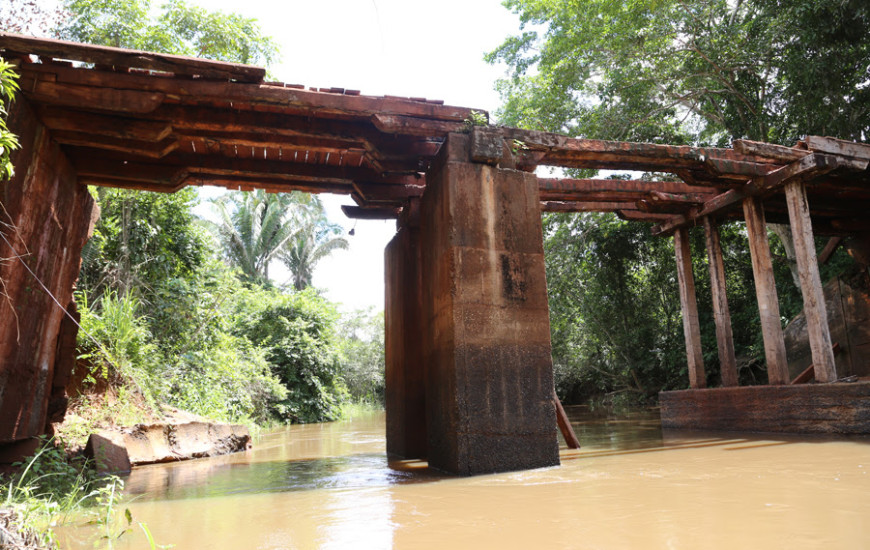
(469, 371)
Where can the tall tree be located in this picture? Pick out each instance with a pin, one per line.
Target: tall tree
(316, 239)
(256, 226)
(705, 71)
(176, 28)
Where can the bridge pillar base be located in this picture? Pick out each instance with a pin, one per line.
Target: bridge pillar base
(405, 373)
(486, 332)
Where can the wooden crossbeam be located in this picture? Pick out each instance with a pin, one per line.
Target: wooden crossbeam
(805, 167)
(778, 153)
(359, 213)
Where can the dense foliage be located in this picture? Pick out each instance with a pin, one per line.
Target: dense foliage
(670, 71)
(673, 71)
(8, 141)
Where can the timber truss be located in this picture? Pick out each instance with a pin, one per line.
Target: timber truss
(141, 120)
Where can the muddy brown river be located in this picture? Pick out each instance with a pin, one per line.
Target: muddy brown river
(629, 487)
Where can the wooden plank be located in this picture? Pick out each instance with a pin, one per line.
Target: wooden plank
(715, 206)
(765, 291)
(728, 167)
(689, 305)
(414, 126)
(388, 192)
(639, 216)
(838, 147)
(359, 213)
(604, 190)
(104, 99)
(581, 206)
(804, 408)
(778, 153)
(564, 424)
(263, 96)
(721, 313)
(807, 375)
(149, 149)
(811, 282)
(808, 166)
(118, 127)
(830, 248)
(120, 57)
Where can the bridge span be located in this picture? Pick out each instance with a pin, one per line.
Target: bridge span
(469, 368)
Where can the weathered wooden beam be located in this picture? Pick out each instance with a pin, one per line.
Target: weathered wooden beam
(604, 190)
(721, 313)
(689, 305)
(765, 291)
(808, 166)
(359, 213)
(640, 216)
(413, 126)
(581, 206)
(830, 248)
(110, 126)
(564, 424)
(838, 147)
(122, 57)
(149, 149)
(94, 162)
(373, 192)
(104, 99)
(774, 152)
(815, 309)
(241, 95)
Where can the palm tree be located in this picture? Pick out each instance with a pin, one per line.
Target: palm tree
(315, 239)
(256, 226)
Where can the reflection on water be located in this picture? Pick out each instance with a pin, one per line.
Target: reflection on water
(330, 486)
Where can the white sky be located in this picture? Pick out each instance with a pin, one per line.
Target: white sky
(414, 48)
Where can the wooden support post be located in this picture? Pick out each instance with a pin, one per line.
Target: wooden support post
(765, 291)
(691, 327)
(811, 282)
(565, 424)
(721, 313)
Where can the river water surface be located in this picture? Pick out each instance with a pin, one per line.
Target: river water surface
(630, 486)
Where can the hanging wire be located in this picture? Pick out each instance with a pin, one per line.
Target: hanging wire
(56, 301)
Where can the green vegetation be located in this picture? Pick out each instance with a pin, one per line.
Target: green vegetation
(669, 71)
(8, 141)
(50, 488)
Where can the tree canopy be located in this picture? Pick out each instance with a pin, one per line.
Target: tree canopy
(176, 28)
(673, 71)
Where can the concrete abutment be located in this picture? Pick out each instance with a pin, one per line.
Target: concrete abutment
(484, 338)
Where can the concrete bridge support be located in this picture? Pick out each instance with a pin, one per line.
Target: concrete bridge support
(484, 335)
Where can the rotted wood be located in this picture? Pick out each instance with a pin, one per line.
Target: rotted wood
(802, 408)
(721, 313)
(808, 374)
(121, 57)
(359, 213)
(778, 153)
(247, 95)
(565, 424)
(811, 283)
(689, 304)
(830, 248)
(765, 291)
(838, 147)
(809, 166)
